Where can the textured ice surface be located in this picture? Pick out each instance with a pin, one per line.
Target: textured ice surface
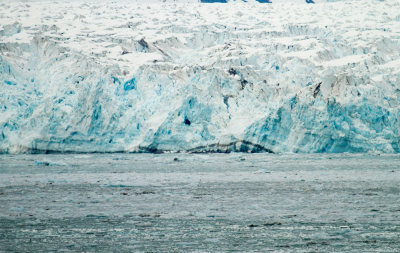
(128, 76)
(200, 203)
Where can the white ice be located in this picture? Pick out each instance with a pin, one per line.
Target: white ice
(89, 76)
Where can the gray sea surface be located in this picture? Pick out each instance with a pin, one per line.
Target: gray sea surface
(200, 203)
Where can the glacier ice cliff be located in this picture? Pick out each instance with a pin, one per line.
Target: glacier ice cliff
(126, 77)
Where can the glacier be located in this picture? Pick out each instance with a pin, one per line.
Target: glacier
(131, 76)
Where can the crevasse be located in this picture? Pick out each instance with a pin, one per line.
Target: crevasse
(129, 77)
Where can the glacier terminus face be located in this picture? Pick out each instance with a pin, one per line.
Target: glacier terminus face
(129, 76)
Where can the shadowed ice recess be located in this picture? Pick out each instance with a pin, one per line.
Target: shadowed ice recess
(147, 77)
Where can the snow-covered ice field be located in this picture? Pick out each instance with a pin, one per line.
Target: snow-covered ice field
(200, 203)
(105, 76)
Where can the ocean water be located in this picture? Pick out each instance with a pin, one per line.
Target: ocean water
(200, 203)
